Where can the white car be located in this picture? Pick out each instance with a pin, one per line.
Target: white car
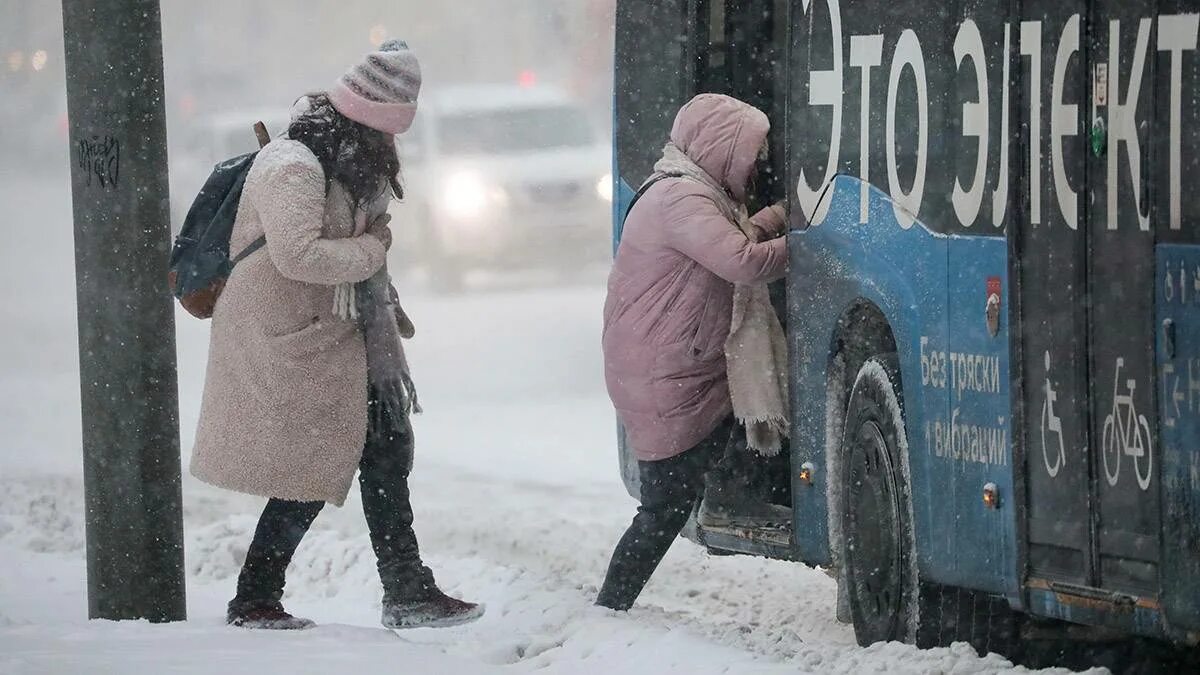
(495, 177)
(500, 177)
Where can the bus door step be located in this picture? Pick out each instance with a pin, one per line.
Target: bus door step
(771, 542)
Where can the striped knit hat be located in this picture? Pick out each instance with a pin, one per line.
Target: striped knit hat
(381, 92)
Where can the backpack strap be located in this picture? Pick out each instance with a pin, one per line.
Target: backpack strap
(264, 137)
(246, 252)
(645, 187)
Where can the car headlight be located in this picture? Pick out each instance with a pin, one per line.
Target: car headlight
(466, 195)
(604, 187)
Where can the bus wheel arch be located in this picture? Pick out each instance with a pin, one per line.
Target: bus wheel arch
(864, 362)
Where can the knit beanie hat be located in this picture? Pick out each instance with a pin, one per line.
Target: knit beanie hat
(381, 92)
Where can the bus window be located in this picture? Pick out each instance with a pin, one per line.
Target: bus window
(740, 51)
(668, 51)
(650, 84)
(712, 62)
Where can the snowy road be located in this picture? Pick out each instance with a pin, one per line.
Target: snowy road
(517, 498)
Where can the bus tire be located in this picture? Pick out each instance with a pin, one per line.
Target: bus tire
(878, 555)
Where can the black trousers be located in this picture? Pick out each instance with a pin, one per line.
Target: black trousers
(383, 477)
(670, 489)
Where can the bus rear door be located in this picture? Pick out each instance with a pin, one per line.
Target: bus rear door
(1124, 438)
(1049, 239)
(1086, 252)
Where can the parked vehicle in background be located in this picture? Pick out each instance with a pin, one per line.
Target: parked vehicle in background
(495, 177)
(500, 178)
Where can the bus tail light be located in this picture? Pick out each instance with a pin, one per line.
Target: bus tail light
(991, 496)
(806, 473)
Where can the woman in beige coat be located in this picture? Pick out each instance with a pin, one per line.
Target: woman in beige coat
(287, 396)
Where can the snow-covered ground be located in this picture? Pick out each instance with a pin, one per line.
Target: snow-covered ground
(516, 492)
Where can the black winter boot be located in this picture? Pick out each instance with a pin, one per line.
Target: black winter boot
(419, 603)
(266, 618)
(260, 584)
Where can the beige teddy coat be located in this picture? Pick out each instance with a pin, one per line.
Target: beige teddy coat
(284, 412)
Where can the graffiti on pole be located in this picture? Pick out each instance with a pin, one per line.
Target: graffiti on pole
(100, 160)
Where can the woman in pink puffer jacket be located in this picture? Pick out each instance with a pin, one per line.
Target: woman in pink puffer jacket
(668, 313)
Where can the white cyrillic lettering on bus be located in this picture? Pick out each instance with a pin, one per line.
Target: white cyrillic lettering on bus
(825, 88)
(968, 442)
(1176, 33)
(969, 44)
(968, 372)
(1064, 121)
(926, 376)
(955, 445)
(866, 52)
(1000, 195)
(1031, 46)
(908, 54)
(1122, 118)
(998, 445)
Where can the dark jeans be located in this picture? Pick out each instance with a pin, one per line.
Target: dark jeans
(383, 477)
(670, 490)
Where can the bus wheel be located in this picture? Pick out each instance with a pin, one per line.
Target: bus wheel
(878, 557)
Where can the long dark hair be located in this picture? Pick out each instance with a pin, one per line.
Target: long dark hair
(358, 157)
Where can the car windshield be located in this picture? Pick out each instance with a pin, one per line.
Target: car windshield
(514, 130)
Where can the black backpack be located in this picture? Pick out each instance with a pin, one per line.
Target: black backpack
(200, 261)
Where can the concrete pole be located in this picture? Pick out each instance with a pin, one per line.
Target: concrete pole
(130, 403)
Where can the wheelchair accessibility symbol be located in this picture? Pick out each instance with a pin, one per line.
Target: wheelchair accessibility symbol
(1052, 423)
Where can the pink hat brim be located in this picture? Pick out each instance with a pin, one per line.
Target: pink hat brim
(390, 118)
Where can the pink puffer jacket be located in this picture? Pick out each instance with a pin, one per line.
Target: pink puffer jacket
(670, 292)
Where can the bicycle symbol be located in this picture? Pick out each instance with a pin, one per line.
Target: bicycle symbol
(1053, 423)
(1126, 433)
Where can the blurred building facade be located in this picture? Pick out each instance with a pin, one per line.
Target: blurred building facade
(222, 55)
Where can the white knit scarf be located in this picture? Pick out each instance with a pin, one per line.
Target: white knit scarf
(756, 349)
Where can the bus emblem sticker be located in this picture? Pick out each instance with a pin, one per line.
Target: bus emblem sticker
(992, 310)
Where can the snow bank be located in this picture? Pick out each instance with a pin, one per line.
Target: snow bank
(517, 497)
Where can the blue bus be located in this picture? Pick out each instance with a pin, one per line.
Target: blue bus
(993, 304)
